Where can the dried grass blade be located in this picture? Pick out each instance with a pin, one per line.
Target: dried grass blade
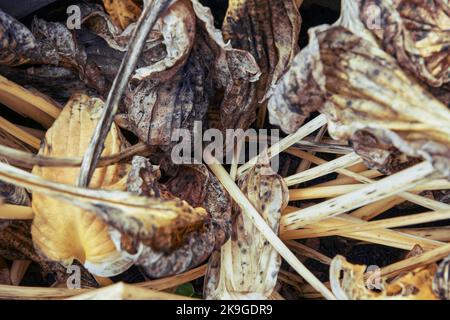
(19, 133)
(285, 143)
(15, 212)
(323, 169)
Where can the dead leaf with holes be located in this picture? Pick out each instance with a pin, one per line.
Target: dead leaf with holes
(247, 266)
(350, 282)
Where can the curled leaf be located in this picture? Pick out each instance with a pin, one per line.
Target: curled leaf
(350, 282)
(416, 33)
(199, 188)
(391, 120)
(269, 31)
(175, 91)
(247, 265)
(18, 44)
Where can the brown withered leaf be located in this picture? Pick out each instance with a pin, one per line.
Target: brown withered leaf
(415, 32)
(269, 30)
(60, 47)
(389, 117)
(122, 12)
(199, 188)
(56, 82)
(18, 44)
(350, 282)
(247, 265)
(186, 58)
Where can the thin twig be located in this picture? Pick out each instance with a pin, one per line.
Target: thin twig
(28, 160)
(422, 201)
(285, 143)
(374, 225)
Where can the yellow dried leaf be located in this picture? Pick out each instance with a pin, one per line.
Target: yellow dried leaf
(106, 230)
(122, 12)
(62, 231)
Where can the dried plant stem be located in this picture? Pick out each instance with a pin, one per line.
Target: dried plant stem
(323, 169)
(285, 143)
(374, 225)
(386, 237)
(152, 10)
(308, 252)
(13, 292)
(434, 233)
(376, 208)
(347, 180)
(334, 191)
(416, 261)
(25, 293)
(318, 147)
(422, 201)
(235, 160)
(261, 225)
(28, 160)
(18, 270)
(306, 164)
(19, 133)
(174, 281)
(123, 291)
(394, 184)
(262, 112)
(15, 212)
(27, 103)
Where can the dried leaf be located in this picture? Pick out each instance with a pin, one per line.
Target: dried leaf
(101, 223)
(176, 91)
(391, 119)
(414, 285)
(60, 47)
(247, 265)
(18, 44)
(199, 188)
(123, 12)
(5, 277)
(416, 33)
(234, 70)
